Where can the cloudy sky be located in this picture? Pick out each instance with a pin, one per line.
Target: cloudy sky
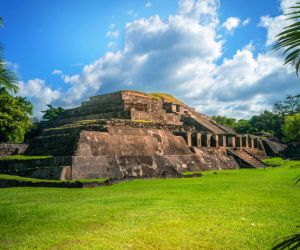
(214, 55)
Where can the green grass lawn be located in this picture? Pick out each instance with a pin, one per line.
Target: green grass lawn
(237, 209)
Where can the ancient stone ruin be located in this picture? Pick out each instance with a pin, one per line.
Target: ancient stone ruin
(133, 134)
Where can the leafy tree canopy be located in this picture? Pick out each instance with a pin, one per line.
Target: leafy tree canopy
(289, 106)
(269, 122)
(51, 113)
(226, 121)
(15, 115)
(291, 128)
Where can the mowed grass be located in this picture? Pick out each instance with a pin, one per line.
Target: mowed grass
(237, 209)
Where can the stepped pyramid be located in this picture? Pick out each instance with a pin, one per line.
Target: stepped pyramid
(134, 134)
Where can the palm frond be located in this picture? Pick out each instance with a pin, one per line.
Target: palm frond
(289, 39)
(8, 79)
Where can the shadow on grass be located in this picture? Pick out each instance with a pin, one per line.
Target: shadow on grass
(291, 242)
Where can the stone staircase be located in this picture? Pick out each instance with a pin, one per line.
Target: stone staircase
(207, 122)
(246, 158)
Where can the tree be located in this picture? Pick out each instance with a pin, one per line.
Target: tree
(226, 121)
(51, 113)
(268, 122)
(15, 115)
(8, 78)
(289, 106)
(243, 127)
(291, 128)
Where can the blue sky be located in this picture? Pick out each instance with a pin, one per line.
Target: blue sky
(212, 54)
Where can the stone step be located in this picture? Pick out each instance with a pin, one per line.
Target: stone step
(247, 157)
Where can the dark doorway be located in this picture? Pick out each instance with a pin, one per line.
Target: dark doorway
(204, 140)
(213, 142)
(249, 142)
(221, 141)
(244, 138)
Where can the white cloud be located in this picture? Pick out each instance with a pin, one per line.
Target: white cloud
(12, 66)
(38, 93)
(156, 54)
(74, 79)
(231, 23)
(113, 34)
(148, 5)
(275, 25)
(179, 55)
(112, 45)
(246, 21)
(287, 4)
(57, 72)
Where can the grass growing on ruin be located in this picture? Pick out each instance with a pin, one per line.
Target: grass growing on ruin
(166, 97)
(24, 157)
(237, 209)
(34, 180)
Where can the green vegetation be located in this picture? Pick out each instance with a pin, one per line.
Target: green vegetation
(283, 122)
(15, 112)
(237, 209)
(8, 79)
(265, 123)
(187, 173)
(24, 157)
(278, 162)
(291, 128)
(142, 121)
(289, 39)
(51, 113)
(34, 180)
(166, 97)
(48, 118)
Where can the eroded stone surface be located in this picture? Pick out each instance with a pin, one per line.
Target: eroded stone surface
(133, 134)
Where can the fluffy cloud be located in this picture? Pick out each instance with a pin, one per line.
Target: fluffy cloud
(157, 54)
(274, 25)
(246, 21)
(57, 72)
(231, 23)
(287, 4)
(38, 93)
(112, 34)
(179, 56)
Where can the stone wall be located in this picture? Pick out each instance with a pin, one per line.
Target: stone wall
(62, 141)
(131, 105)
(131, 152)
(212, 158)
(49, 168)
(8, 149)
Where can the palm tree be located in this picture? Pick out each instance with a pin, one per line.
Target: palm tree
(289, 39)
(8, 79)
